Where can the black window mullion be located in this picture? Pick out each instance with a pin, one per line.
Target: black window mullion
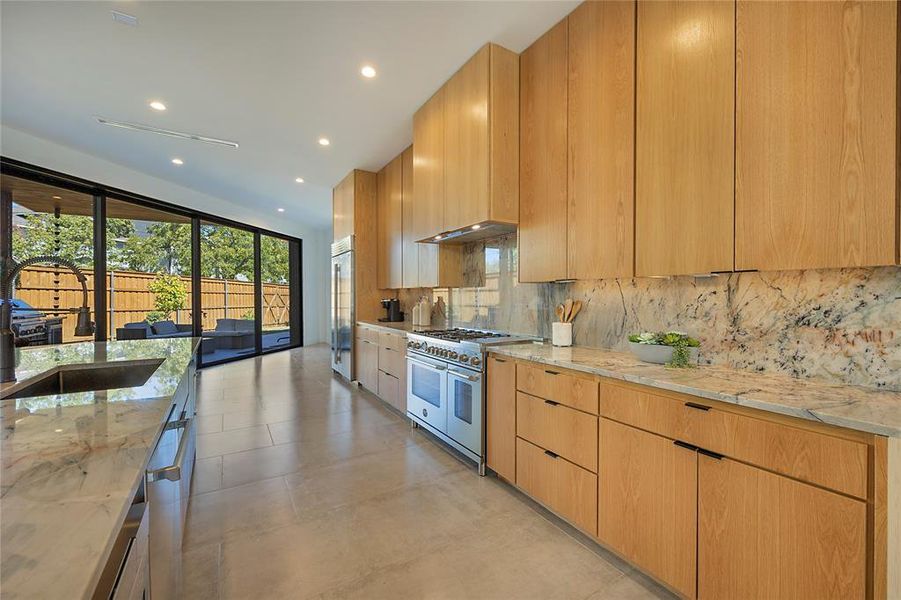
(257, 292)
(196, 308)
(101, 317)
(295, 290)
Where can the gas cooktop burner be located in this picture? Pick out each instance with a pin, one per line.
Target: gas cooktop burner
(461, 335)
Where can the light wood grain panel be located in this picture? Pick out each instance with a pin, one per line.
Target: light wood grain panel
(392, 341)
(566, 489)
(816, 162)
(466, 143)
(684, 176)
(392, 222)
(367, 365)
(647, 503)
(367, 292)
(343, 208)
(503, 135)
(429, 168)
(389, 389)
(370, 334)
(500, 421)
(601, 137)
(409, 249)
(892, 575)
(392, 362)
(761, 535)
(542, 156)
(567, 432)
(550, 383)
(383, 260)
(826, 460)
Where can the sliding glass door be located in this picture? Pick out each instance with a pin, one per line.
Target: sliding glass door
(227, 293)
(275, 273)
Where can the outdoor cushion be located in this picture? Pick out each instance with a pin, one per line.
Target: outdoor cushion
(165, 328)
(140, 325)
(244, 325)
(225, 324)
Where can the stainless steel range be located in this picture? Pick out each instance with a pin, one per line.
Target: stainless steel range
(446, 385)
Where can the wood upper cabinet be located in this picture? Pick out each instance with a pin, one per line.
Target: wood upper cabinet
(390, 225)
(355, 212)
(343, 208)
(500, 421)
(684, 147)
(542, 158)
(762, 535)
(409, 247)
(428, 168)
(816, 161)
(600, 133)
(647, 502)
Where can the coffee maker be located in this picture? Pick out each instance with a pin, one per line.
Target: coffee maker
(394, 314)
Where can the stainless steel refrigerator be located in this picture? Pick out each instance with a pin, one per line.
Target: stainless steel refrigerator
(342, 307)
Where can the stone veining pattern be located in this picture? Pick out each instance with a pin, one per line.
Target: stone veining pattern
(839, 326)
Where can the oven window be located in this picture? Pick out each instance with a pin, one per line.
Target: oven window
(426, 385)
(463, 401)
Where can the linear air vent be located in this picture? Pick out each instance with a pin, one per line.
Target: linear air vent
(167, 132)
(124, 19)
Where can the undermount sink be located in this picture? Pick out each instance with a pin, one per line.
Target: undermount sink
(68, 379)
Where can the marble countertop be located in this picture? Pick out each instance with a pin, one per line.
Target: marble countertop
(861, 408)
(71, 464)
(398, 327)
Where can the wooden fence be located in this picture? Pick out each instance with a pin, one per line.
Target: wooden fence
(129, 298)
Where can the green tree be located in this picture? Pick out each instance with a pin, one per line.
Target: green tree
(68, 236)
(169, 295)
(274, 257)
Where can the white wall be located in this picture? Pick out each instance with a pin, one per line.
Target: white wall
(20, 145)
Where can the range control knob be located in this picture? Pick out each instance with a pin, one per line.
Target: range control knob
(463, 358)
(452, 355)
(411, 344)
(444, 353)
(475, 361)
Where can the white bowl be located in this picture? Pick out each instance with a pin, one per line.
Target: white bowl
(658, 354)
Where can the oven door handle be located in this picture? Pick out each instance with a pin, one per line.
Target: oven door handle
(464, 375)
(428, 365)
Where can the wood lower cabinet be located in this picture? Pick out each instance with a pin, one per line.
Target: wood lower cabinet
(500, 417)
(761, 535)
(684, 145)
(816, 126)
(564, 431)
(367, 353)
(647, 503)
(391, 390)
(565, 488)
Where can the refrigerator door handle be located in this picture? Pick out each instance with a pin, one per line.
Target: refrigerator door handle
(335, 324)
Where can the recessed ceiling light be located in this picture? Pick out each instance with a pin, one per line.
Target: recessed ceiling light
(157, 105)
(281, 210)
(299, 180)
(437, 237)
(58, 430)
(474, 227)
(177, 161)
(57, 198)
(368, 71)
(324, 141)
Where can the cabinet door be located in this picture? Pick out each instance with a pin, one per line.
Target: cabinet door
(500, 407)
(410, 249)
(368, 364)
(428, 168)
(763, 535)
(343, 208)
(542, 158)
(466, 143)
(390, 230)
(816, 125)
(601, 136)
(684, 197)
(647, 502)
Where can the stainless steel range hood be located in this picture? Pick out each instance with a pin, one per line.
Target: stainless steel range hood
(479, 231)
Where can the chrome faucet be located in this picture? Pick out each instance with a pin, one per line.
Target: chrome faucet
(83, 326)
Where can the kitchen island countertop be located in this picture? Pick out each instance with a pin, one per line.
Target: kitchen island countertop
(71, 464)
(854, 407)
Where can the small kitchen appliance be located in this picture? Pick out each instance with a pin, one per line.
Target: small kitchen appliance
(394, 313)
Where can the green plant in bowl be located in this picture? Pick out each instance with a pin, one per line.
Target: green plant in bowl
(684, 347)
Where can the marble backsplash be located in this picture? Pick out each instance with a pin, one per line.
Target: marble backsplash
(841, 325)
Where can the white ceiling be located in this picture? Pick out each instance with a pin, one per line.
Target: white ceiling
(272, 76)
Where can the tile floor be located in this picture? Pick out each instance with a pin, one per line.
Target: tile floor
(307, 487)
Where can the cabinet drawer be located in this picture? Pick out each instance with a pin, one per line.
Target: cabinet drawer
(389, 389)
(819, 458)
(394, 341)
(568, 490)
(569, 433)
(560, 386)
(367, 333)
(392, 362)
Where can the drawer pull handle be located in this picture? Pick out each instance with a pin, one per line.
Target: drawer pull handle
(551, 372)
(710, 454)
(499, 360)
(551, 402)
(697, 406)
(551, 454)
(685, 445)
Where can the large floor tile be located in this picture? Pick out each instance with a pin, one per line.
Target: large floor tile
(229, 442)
(207, 475)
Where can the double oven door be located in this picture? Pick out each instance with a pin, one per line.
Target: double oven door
(448, 398)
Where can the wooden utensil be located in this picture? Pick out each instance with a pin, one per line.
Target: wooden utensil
(559, 311)
(577, 306)
(567, 309)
